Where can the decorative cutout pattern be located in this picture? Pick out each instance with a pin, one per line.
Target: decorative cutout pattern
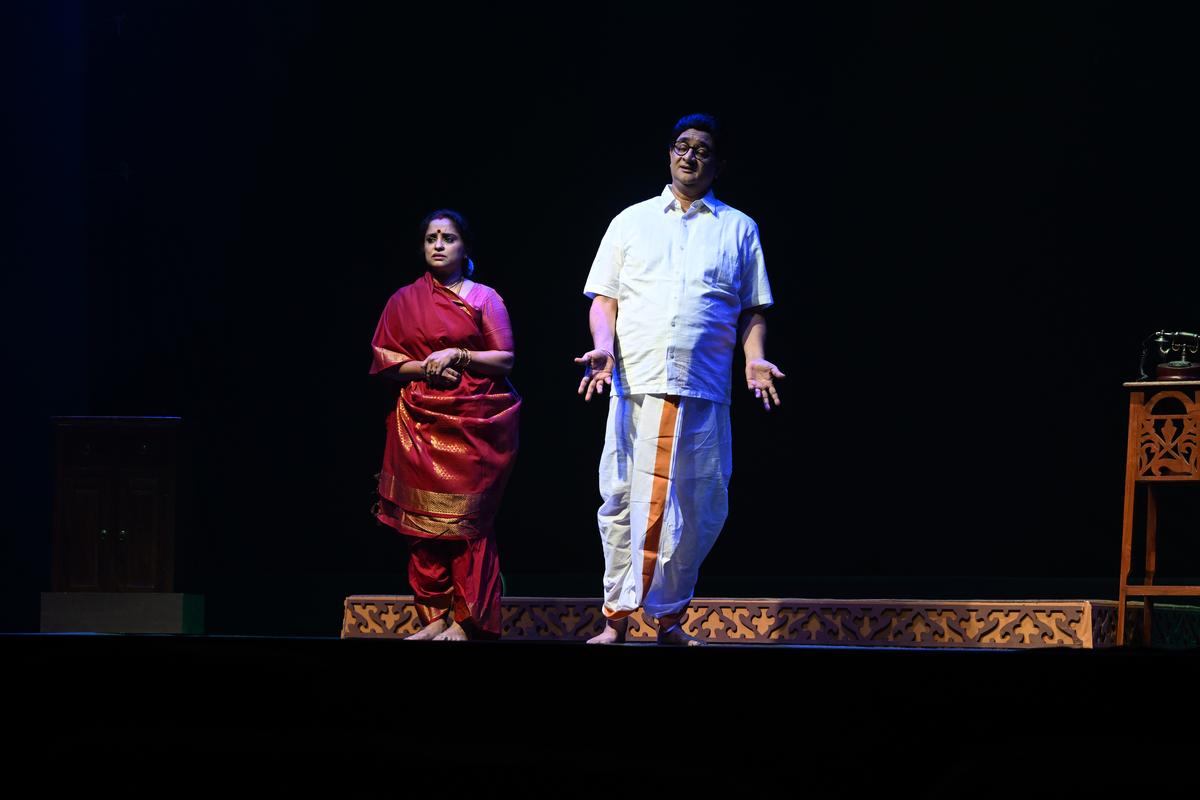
(876, 623)
(1169, 443)
(379, 617)
(1171, 626)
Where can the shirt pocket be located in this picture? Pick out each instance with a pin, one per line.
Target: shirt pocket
(723, 270)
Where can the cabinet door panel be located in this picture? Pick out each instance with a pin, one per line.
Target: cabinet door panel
(88, 533)
(140, 525)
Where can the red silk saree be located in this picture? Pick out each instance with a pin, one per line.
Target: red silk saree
(450, 451)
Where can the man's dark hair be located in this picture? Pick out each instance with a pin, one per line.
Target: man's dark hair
(701, 122)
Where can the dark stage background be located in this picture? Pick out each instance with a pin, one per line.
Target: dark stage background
(212, 202)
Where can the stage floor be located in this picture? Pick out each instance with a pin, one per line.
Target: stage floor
(742, 715)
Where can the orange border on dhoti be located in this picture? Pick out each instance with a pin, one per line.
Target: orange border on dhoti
(665, 445)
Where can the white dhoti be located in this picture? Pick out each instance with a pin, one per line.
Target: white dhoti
(664, 477)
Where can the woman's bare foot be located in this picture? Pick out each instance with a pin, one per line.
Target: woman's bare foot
(613, 633)
(454, 633)
(430, 631)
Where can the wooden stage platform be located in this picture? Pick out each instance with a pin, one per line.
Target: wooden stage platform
(954, 624)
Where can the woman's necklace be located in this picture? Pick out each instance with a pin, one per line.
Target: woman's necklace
(457, 283)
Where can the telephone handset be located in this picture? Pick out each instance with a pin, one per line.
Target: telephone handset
(1176, 356)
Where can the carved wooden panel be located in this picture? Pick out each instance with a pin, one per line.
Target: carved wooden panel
(1172, 626)
(856, 623)
(1168, 437)
(366, 616)
(895, 623)
(1104, 623)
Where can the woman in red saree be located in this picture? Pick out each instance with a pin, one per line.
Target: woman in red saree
(452, 438)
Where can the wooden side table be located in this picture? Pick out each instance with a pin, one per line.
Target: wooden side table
(1163, 446)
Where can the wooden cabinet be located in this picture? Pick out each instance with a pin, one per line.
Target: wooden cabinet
(114, 504)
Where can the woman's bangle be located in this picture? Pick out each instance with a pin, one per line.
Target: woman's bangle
(464, 357)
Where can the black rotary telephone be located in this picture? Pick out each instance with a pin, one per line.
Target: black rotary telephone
(1176, 356)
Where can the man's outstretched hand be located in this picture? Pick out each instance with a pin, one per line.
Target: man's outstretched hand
(597, 373)
(760, 379)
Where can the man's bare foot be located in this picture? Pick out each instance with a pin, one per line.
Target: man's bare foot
(454, 633)
(430, 631)
(613, 633)
(670, 632)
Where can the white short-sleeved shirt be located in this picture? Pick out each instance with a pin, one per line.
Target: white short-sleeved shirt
(681, 281)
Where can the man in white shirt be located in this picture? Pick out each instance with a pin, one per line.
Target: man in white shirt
(677, 284)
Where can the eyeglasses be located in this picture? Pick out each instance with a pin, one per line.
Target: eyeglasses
(681, 148)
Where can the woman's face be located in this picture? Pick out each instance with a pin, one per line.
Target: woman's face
(444, 251)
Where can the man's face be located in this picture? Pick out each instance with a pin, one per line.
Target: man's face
(693, 172)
